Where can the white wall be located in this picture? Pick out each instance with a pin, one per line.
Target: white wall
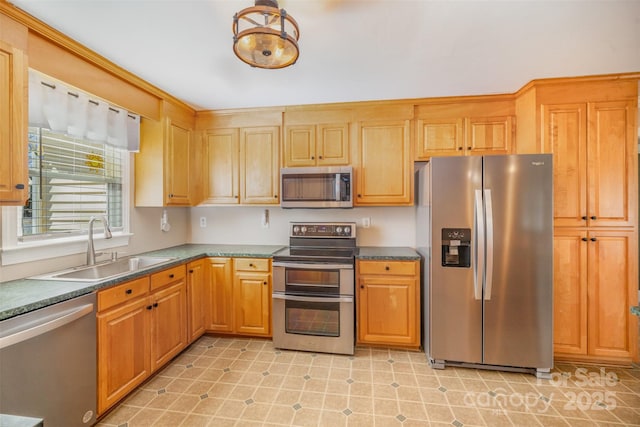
(390, 226)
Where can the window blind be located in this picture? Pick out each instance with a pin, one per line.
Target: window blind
(70, 180)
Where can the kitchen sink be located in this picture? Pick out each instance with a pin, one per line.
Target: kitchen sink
(106, 270)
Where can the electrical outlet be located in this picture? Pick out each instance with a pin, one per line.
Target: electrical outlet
(203, 221)
(366, 222)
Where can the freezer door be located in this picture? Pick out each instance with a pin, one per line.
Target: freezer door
(518, 292)
(455, 314)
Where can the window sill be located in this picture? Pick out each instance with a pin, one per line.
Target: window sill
(40, 250)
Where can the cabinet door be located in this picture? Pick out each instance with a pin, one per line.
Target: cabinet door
(197, 299)
(333, 144)
(259, 165)
(489, 135)
(612, 175)
(177, 169)
(385, 173)
(565, 135)
(386, 308)
(123, 351)
(168, 323)
(13, 131)
(221, 151)
(439, 137)
(570, 292)
(220, 302)
(612, 290)
(300, 146)
(252, 303)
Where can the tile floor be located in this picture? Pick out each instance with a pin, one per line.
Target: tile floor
(247, 382)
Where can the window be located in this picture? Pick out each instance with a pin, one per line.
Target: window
(70, 180)
(78, 157)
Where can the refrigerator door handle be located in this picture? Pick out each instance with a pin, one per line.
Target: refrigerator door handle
(480, 254)
(489, 255)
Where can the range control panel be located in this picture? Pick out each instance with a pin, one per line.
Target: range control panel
(323, 229)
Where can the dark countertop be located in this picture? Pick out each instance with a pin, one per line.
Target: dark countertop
(25, 295)
(397, 253)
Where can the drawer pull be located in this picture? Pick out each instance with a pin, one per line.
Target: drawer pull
(593, 239)
(191, 271)
(155, 304)
(584, 239)
(149, 307)
(251, 265)
(594, 217)
(386, 267)
(171, 276)
(19, 186)
(128, 291)
(264, 283)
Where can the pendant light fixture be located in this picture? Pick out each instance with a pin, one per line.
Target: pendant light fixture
(264, 36)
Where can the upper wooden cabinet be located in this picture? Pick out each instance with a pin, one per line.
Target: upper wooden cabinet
(463, 128)
(384, 172)
(594, 162)
(316, 145)
(166, 161)
(242, 165)
(14, 181)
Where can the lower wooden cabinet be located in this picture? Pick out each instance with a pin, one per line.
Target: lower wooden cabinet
(142, 324)
(219, 278)
(594, 287)
(252, 296)
(239, 296)
(388, 303)
(197, 298)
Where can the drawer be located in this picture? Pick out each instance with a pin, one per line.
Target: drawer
(252, 264)
(127, 291)
(170, 275)
(398, 268)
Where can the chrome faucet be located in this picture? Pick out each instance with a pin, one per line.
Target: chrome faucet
(91, 253)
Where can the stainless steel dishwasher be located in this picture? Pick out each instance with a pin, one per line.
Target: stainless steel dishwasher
(48, 363)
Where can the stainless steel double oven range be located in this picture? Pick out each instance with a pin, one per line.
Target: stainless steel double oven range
(313, 288)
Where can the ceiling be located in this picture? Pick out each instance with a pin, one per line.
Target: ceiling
(355, 50)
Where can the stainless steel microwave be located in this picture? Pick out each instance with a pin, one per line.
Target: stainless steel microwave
(316, 187)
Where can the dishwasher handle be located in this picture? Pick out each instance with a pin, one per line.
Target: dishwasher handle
(47, 326)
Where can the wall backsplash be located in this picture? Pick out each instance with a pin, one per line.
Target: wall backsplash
(390, 226)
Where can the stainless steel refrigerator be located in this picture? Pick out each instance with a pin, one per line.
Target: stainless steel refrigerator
(485, 231)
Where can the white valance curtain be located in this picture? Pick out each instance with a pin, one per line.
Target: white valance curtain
(60, 108)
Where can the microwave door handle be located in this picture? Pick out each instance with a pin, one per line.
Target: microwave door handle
(338, 195)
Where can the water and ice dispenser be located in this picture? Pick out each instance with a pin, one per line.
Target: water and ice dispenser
(456, 247)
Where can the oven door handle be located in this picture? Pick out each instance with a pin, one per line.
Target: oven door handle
(312, 299)
(311, 266)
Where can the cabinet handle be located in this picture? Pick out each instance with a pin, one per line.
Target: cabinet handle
(359, 195)
(155, 304)
(361, 286)
(468, 148)
(460, 148)
(149, 307)
(191, 271)
(235, 197)
(170, 195)
(250, 264)
(264, 283)
(171, 276)
(593, 239)
(313, 158)
(320, 157)
(584, 218)
(584, 239)
(128, 292)
(386, 267)
(275, 196)
(20, 186)
(594, 217)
